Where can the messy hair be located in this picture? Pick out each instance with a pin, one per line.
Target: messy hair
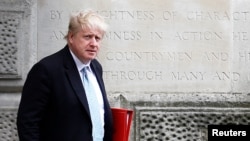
(87, 19)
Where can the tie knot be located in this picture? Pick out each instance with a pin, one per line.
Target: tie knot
(85, 71)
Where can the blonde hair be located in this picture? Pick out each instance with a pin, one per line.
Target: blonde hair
(87, 19)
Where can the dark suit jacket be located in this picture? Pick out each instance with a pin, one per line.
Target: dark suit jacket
(53, 105)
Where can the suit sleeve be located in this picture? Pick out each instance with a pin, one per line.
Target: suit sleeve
(34, 100)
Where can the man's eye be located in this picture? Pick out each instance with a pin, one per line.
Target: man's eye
(87, 37)
(97, 38)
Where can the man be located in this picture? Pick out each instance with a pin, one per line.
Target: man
(54, 104)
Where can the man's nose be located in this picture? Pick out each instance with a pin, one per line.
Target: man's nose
(93, 41)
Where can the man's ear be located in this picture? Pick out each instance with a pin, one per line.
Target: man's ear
(70, 36)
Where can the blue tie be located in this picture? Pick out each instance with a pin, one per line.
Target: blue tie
(94, 108)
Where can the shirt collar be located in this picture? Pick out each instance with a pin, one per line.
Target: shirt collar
(79, 64)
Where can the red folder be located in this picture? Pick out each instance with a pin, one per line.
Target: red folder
(122, 119)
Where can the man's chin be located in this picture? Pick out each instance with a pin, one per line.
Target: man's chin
(91, 57)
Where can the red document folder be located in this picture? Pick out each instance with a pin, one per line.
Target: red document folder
(122, 119)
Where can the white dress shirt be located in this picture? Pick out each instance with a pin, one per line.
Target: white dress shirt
(92, 78)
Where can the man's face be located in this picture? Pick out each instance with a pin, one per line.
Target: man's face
(85, 44)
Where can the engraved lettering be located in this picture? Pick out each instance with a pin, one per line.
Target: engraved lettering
(169, 15)
(55, 15)
(237, 16)
(133, 75)
(234, 76)
(123, 35)
(216, 56)
(240, 36)
(156, 35)
(128, 15)
(149, 56)
(207, 35)
(244, 56)
(127, 56)
(57, 35)
(188, 75)
(203, 15)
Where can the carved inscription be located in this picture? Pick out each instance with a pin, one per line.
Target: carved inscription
(149, 16)
(133, 75)
(56, 14)
(176, 76)
(173, 15)
(167, 44)
(148, 56)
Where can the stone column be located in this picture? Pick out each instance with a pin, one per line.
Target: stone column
(18, 52)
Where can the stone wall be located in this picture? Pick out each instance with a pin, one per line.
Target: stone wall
(180, 65)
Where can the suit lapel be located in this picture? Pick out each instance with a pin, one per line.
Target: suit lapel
(98, 77)
(102, 87)
(75, 80)
(100, 82)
